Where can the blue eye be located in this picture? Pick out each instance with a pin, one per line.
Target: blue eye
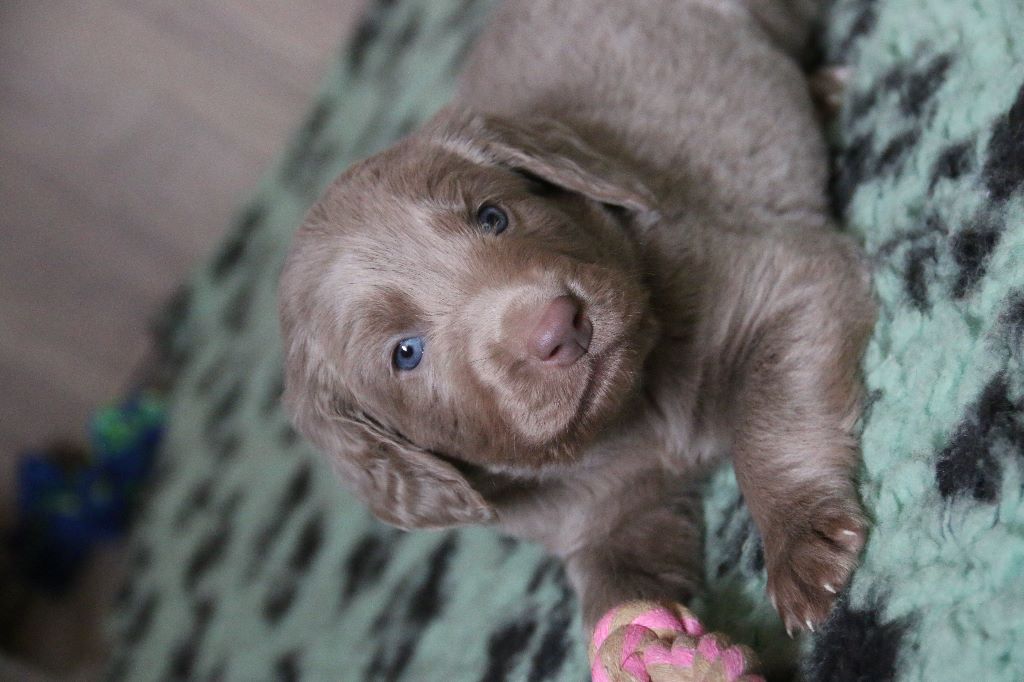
(408, 353)
(492, 219)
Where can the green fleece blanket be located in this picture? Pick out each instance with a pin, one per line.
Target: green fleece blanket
(250, 562)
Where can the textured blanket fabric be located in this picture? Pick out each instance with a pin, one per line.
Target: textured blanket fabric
(251, 563)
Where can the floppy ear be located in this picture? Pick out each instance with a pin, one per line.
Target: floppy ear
(402, 484)
(406, 486)
(548, 149)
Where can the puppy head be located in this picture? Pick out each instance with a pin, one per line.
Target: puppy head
(466, 300)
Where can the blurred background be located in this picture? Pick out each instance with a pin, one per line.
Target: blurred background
(130, 130)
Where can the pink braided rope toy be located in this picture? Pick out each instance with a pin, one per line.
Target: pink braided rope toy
(645, 641)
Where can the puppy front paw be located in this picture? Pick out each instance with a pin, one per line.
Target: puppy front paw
(810, 559)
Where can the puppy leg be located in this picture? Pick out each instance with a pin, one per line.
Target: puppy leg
(652, 551)
(794, 454)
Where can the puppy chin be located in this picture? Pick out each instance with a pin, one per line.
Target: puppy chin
(613, 381)
(609, 385)
(624, 334)
(608, 388)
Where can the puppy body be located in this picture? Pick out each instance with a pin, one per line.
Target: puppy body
(708, 108)
(662, 165)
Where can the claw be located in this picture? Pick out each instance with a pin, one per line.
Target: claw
(789, 630)
(809, 625)
(828, 588)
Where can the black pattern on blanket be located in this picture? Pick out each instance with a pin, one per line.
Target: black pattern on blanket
(250, 562)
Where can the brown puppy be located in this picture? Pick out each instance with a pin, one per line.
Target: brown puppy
(606, 266)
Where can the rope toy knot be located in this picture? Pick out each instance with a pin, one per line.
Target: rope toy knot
(644, 641)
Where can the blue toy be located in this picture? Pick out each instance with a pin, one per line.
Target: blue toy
(70, 500)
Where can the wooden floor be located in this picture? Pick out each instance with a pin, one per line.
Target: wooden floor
(129, 131)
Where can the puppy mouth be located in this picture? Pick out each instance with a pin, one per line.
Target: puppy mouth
(601, 369)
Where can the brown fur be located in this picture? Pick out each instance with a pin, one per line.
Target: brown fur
(659, 162)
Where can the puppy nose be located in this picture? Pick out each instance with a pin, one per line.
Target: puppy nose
(562, 333)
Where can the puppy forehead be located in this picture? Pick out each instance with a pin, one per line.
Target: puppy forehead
(431, 174)
(395, 274)
(408, 246)
(405, 231)
(411, 217)
(381, 316)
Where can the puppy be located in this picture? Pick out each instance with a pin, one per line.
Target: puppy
(607, 265)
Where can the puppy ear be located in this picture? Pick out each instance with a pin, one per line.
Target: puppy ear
(401, 484)
(406, 486)
(548, 149)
